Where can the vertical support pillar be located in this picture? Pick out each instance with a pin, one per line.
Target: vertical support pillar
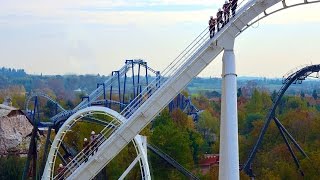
(138, 83)
(133, 81)
(229, 148)
(110, 97)
(119, 90)
(124, 88)
(45, 153)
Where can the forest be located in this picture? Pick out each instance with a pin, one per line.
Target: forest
(188, 141)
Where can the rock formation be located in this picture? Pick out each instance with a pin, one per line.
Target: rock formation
(14, 129)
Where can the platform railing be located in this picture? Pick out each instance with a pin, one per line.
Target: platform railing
(173, 69)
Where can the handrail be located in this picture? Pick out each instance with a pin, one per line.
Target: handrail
(292, 71)
(84, 154)
(98, 91)
(170, 71)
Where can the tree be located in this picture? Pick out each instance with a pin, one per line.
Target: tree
(11, 167)
(208, 126)
(260, 102)
(239, 92)
(251, 117)
(274, 95)
(182, 120)
(175, 142)
(296, 103)
(314, 94)
(69, 104)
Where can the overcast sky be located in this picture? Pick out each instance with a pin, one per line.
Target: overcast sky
(96, 36)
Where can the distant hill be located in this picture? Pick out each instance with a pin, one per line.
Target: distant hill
(67, 85)
(273, 84)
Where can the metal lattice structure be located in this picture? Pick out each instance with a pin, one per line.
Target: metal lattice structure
(114, 90)
(185, 104)
(293, 78)
(116, 93)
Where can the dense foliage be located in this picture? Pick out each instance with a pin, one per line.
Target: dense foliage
(187, 141)
(11, 167)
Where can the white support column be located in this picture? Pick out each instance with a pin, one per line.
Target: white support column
(229, 148)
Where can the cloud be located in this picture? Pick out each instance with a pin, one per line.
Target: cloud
(295, 15)
(141, 13)
(105, 12)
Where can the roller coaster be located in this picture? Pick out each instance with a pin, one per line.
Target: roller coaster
(147, 102)
(117, 92)
(295, 77)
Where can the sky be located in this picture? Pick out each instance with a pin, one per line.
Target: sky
(97, 36)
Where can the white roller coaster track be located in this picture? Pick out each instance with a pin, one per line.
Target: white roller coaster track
(80, 159)
(180, 72)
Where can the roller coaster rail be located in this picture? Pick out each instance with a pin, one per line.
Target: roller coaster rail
(129, 110)
(178, 70)
(171, 161)
(287, 77)
(185, 104)
(153, 98)
(41, 94)
(182, 102)
(101, 87)
(301, 74)
(33, 95)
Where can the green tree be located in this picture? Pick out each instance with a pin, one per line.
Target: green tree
(208, 126)
(11, 167)
(259, 102)
(274, 95)
(173, 141)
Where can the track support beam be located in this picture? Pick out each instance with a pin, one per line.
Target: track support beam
(229, 148)
(296, 161)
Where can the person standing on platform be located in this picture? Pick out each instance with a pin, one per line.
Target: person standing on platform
(226, 11)
(60, 172)
(85, 149)
(212, 26)
(234, 4)
(93, 142)
(219, 19)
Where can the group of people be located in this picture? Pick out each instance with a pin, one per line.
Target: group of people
(89, 148)
(222, 16)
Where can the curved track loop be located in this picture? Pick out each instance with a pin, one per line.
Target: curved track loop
(295, 77)
(41, 94)
(77, 161)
